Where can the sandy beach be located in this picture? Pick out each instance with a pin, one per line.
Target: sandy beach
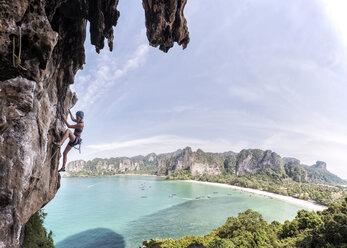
(299, 202)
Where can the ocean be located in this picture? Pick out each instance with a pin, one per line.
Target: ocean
(122, 211)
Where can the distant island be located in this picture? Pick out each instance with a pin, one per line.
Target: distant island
(251, 168)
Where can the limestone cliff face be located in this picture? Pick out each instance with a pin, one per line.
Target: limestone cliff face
(252, 160)
(183, 160)
(41, 49)
(196, 162)
(104, 166)
(128, 165)
(198, 169)
(76, 166)
(162, 164)
(166, 23)
(200, 163)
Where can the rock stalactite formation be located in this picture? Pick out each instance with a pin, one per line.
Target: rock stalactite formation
(41, 50)
(166, 23)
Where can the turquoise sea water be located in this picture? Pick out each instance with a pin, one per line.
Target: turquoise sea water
(122, 211)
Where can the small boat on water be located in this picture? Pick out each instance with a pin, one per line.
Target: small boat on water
(198, 197)
(215, 192)
(209, 196)
(144, 196)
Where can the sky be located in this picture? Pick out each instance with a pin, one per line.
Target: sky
(264, 74)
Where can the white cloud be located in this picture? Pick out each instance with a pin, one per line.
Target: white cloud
(309, 149)
(336, 12)
(175, 109)
(319, 139)
(246, 93)
(133, 62)
(104, 74)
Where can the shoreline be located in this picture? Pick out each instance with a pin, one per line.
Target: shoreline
(66, 175)
(289, 199)
(146, 175)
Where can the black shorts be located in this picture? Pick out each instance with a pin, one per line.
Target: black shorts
(76, 141)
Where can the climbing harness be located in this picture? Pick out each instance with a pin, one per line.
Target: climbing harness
(79, 145)
(16, 59)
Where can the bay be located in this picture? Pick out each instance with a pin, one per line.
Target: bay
(122, 211)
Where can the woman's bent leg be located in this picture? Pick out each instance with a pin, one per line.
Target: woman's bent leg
(67, 134)
(66, 151)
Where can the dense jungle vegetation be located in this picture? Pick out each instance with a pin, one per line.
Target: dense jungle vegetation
(326, 228)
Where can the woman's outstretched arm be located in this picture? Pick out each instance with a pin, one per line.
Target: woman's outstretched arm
(72, 117)
(67, 124)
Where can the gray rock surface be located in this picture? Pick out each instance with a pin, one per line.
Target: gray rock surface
(76, 166)
(28, 162)
(252, 160)
(166, 23)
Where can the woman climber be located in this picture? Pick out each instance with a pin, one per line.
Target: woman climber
(75, 138)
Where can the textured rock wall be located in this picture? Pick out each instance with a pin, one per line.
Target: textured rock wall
(104, 166)
(128, 165)
(41, 49)
(198, 169)
(123, 165)
(76, 166)
(182, 161)
(166, 23)
(253, 160)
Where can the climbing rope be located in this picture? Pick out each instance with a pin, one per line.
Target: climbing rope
(16, 59)
(55, 153)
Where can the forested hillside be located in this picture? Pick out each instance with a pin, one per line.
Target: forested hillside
(309, 229)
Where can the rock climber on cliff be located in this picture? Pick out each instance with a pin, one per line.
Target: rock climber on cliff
(75, 137)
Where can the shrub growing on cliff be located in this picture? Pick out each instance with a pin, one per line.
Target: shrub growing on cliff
(180, 175)
(35, 234)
